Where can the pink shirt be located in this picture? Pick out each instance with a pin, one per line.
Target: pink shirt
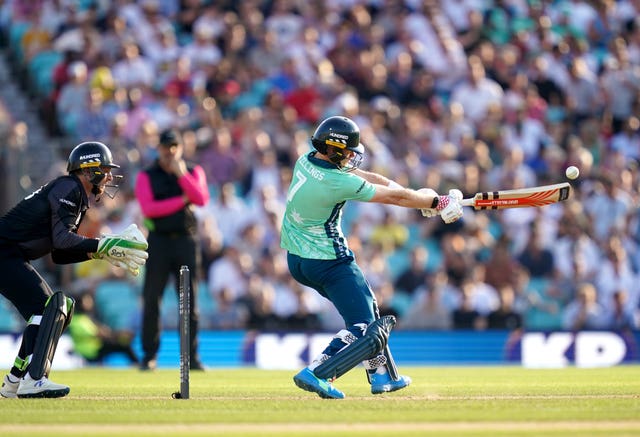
(194, 186)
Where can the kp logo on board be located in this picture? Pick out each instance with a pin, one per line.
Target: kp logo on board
(583, 349)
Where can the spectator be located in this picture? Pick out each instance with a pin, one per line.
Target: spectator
(627, 140)
(615, 273)
(416, 274)
(304, 318)
(620, 85)
(584, 312)
(202, 52)
(583, 94)
(390, 235)
(620, 316)
(501, 267)
(94, 123)
(230, 314)
(93, 340)
(260, 303)
(428, 310)
(168, 192)
(132, 69)
(477, 93)
(505, 316)
(466, 316)
(230, 271)
(607, 196)
(536, 258)
(73, 101)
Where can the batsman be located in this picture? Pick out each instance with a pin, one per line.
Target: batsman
(319, 256)
(46, 222)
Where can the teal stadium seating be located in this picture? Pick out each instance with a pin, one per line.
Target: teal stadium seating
(118, 304)
(40, 72)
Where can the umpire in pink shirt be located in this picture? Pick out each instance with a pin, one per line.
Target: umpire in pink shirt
(167, 191)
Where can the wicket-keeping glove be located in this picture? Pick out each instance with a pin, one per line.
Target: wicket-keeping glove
(127, 250)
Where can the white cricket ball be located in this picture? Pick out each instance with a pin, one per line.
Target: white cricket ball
(572, 172)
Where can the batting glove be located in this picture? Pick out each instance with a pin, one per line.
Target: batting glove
(449, 206)
(126, 250)
(429, 212)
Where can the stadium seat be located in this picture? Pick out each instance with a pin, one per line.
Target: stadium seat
(117, 304)
(169, 308)
(16, 32)
(10, 319)
(435, 254)
(397, 262)
(206, 306)
(40, 71)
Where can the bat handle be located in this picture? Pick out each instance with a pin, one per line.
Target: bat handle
(466, 202)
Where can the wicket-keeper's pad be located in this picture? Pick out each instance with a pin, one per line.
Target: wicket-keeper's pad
(366, 347)
(57, 312)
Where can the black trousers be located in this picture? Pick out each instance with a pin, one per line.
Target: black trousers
(23, 286)
(167, 253)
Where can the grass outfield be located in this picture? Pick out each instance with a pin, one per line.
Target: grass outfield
(442, 401)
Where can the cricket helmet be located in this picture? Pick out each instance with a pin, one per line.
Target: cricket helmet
(335, 135)
(91, 156)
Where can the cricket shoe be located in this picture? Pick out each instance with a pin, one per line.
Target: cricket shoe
(148, 365)
(9, 388)
(40, 388)
(383, 383)
(306, 380)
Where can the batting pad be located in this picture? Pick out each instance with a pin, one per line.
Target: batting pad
(366, 347)
(53, 322)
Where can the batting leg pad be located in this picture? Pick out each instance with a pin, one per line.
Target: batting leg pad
(385, 359)
(54, 320)
(366, 347)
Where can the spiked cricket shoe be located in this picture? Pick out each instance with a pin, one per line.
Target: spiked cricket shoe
(383, 383)
(306, 380)
(41, 388)
(9, 388)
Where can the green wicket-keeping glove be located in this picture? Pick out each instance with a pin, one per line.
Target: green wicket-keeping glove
(127, 250)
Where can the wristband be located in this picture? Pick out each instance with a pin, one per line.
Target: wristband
(442, 202)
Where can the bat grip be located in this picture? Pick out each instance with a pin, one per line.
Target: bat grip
(466, 202)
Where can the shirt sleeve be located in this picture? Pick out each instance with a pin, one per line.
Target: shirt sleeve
(65, 217)
(150, 207)
(194, 186)
(69, 257)
(354, 187)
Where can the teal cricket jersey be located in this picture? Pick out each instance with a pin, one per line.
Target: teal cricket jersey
(311, 226)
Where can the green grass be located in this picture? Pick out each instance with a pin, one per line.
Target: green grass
(461, 401)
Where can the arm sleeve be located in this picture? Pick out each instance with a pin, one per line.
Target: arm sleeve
(68, 257)
(65, 218)
(150, 207)
(194, 186)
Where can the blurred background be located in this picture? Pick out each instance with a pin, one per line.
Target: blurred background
(471, 94)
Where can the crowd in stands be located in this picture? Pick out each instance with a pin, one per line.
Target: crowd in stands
(469, 94)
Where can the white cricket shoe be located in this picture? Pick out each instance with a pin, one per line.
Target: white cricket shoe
(9, 388)
(41, 388)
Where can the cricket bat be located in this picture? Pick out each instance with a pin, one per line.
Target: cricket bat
(520, 197)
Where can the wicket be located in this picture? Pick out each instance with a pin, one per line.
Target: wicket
(185, 352)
